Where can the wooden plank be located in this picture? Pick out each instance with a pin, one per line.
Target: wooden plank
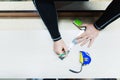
(60, 14)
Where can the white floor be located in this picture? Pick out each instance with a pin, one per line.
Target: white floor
(26, 51)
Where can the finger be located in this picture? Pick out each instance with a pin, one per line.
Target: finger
(91, 42)
(85, 41)
(60, 51)
(82, 39)
(81, 36)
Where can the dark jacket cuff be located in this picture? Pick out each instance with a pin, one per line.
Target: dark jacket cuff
(56, 39)
(97, 27)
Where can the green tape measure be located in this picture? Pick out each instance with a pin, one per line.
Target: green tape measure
(79, 23)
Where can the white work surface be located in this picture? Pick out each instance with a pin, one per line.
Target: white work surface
(29, 53)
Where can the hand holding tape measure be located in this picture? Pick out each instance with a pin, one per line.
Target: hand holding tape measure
(77, 23)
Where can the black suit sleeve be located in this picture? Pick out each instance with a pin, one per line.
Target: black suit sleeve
(112, 13)
(47, 11)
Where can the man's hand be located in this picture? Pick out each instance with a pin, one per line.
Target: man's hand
(60, 47)
(88, 36)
